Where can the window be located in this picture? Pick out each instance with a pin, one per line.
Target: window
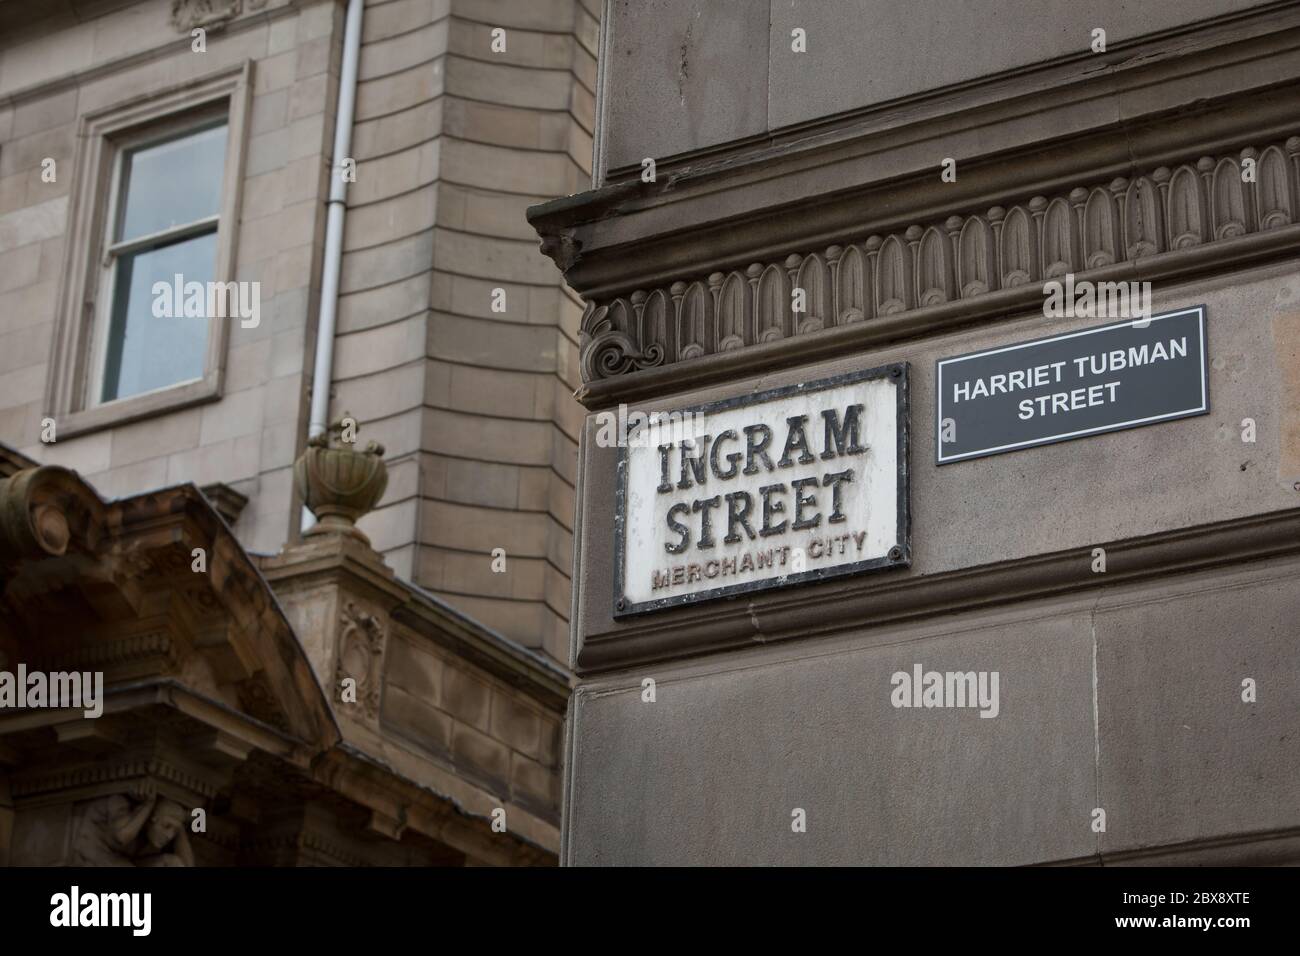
(154, 208)
(164, 230)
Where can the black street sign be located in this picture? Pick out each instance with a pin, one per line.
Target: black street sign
(1103, 379)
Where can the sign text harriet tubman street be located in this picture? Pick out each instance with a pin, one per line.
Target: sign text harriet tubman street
(1071, 385)
(790, 485)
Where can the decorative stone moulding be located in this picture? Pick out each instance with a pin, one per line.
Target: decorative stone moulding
(1021, 243)
(361, 651)
(228, 502)
(44, 512)
(338, 483)
(188, 14)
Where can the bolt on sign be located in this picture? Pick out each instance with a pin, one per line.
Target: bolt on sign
(1124, 375)
(795, 484)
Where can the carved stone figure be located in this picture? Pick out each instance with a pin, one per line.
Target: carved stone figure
(111, 831)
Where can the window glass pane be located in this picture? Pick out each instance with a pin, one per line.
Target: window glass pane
(144, 351)
(172, 183)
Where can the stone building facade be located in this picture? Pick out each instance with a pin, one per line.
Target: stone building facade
(455, 346)
(452, 142)
(794, 194)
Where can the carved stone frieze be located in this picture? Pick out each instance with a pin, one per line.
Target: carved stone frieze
(1026, 240)
(153, 646)
(188, 14)
(126, 768)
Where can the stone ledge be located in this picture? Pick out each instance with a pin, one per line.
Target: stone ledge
(865, 603)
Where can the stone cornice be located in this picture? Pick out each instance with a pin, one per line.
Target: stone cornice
(700, 265)
(355, 567)
(835, 607)
(33, 782)
(881, 171)
(330, 559)
(379, 785)
(651, 381)
(977, 264)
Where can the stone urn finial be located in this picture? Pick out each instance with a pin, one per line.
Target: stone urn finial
(338, 481)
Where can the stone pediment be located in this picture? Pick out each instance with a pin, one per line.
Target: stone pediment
(154, 591)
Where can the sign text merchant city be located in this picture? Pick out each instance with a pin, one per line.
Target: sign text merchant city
(794, 484)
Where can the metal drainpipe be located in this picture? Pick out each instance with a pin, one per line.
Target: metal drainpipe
(336, 204)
